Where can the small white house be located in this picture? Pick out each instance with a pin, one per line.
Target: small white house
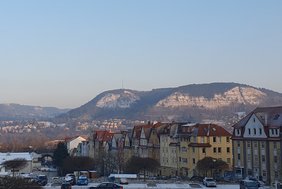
(73, 143)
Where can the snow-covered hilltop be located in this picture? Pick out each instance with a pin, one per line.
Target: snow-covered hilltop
(191, 102)
(236, 95)
(122, 100)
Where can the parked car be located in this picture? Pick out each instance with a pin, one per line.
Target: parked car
(42, 180)
(107, 185)
(207, 181)
(66, 186)
(70, 178)
(260, 183)
(82, 180)
(123, 181)
(248, 184)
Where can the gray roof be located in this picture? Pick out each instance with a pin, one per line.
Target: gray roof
(268, 116)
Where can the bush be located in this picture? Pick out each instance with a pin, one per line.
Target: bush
(18, 183)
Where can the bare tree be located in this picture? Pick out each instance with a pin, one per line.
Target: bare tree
(72, 164)
(15, 164)
(209, 164)
(145, 165)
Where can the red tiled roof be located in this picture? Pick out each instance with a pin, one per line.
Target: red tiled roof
(206, 130)
(103, 136)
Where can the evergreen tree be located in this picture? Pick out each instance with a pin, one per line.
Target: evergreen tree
(60, 154)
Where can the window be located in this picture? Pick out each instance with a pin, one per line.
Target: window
(276, 174)
(249, 130)
(255, 131)
(194, 161)
(255, 144)
(238, 132)
(275, 159)
(228, 150)
(263, 158)
(227, 139)
(262, 144)
(274, 145)
(219, 150)
(238, 144)
(184, 160)
(249, 144)
(239, 156)
(254, 120)
(256, 158)
(204, 150)
(260, 131)
(193, 149)
(214, 150)
(214, 139)
(276, 131)
(184, 149)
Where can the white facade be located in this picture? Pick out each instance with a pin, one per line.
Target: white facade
(254, 128)
(72, 144)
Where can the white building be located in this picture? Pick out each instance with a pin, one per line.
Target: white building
(73, 143)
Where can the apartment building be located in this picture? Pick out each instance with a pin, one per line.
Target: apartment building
(198, 141)
(169, 149)
(257, 140)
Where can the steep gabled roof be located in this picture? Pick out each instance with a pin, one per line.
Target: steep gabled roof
(268, 116)
(137, 131)
(69, 139)
(103, 136)
(206, 130)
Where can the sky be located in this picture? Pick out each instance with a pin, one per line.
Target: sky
(64, 53)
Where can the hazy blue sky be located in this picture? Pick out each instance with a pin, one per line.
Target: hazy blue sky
(64, 53)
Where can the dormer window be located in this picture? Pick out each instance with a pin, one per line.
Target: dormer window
(255, 131)
(249, 130)
(260, 131)
(254, 120)
(238, 132)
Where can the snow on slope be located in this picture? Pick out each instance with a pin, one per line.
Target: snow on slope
(121, 100)
(237, 95)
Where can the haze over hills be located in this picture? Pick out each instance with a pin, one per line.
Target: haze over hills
(24, 112)
(194, 102)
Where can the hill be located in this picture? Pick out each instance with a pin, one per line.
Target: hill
(25, 112)
(196, 102)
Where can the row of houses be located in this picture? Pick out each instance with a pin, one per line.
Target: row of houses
(252, 149)
(176, 146)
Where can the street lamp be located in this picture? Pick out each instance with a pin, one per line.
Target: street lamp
(213, 166)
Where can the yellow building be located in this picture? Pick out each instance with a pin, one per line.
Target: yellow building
(257, 145)
(203, 140)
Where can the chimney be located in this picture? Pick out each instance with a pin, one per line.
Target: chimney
(265, 119)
